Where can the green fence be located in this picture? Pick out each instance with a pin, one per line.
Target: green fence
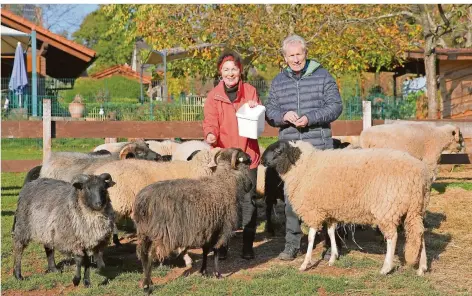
(107, 104)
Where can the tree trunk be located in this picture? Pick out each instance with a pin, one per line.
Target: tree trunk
(431, 85)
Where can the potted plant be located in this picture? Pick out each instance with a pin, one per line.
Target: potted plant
(76, 107)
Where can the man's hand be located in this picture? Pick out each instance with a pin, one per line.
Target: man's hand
(210, 139)
(291, 117)
(302, 121)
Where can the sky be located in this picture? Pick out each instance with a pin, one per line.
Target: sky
(79, 12)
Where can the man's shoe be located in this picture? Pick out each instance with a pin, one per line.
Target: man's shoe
(288, 254)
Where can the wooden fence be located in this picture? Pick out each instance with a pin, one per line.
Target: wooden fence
(48, 129)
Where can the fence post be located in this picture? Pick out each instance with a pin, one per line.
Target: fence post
(366, 115)
(46, 129)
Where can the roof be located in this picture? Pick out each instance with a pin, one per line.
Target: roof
(57, 50)
(443, 53)
(10, 39)
(123, 70)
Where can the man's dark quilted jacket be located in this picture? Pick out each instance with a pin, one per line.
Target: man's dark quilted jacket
(315, 94)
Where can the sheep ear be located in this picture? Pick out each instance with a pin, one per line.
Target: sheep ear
(107, 178)
(192, 155)
(127, 151)
(79, 180)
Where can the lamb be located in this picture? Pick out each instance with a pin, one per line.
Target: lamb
(65, 165)
(363, 186)
(191, 212)
(421, 140)
(74, 218)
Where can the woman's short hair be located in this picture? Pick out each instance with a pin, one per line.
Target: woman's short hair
(293, 39)
(234, 55)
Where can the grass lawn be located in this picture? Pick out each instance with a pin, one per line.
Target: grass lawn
(356, 273)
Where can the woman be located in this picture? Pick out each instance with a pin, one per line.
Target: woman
(220, 127)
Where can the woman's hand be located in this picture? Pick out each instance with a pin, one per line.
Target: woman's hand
(210, 139)
(252, 103)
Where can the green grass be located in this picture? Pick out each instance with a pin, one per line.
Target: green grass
(441, 187)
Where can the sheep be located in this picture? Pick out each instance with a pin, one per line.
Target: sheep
(271, 187)
(184, 151)
(178, 151)
(191, 212)
(74, 218)
(362, 186)
(421, 140)
(65, 165)
(34, 173)
(111, 147)
(133, 175)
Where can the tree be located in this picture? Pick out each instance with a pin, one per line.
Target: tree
(344, 38)
(112, 47)
(437, 22)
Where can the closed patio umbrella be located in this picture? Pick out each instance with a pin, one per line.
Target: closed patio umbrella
(19, 78)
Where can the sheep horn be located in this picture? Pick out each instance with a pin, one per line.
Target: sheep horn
(215, 152)
(234, 157)
(127, 151)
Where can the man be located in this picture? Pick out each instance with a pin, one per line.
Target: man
(303, 100)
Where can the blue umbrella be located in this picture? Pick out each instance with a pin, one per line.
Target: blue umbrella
(19, 78)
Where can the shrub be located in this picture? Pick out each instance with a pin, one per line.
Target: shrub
(111, 88)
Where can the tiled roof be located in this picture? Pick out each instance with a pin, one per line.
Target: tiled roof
(123, 70)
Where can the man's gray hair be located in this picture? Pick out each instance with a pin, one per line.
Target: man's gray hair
(293, 39)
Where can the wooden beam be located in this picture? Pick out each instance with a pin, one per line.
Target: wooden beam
(456, 159)
(18, 166)
(143, 129)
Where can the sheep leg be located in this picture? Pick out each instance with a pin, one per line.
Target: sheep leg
(86, 263)
(98, 256)
(50, 255)
(186, 257)
(269, 227)
(17, 255)
(217, 267)
(116, 240)
(206, 249)
(391, 245)
(334, 246)
(78, 266)
(423, 266)
(147, 263)
(311, 239)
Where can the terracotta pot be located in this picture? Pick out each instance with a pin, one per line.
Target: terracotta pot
(76, 110)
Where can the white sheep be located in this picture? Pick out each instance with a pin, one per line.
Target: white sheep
(178, 151)
(362, 186)
(112, 147)
(421, 140)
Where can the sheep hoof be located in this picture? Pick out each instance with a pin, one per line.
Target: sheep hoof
(18, 276)
(218, 275)
(147, 289)
(87, 283)
(116, 240)
(303, 267)
(54, 269)
(331, 262)
(385, 270)
(76, 280)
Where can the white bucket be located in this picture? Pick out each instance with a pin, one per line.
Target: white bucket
(251, 121)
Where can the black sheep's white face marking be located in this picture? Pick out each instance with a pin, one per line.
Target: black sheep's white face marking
(281, 156)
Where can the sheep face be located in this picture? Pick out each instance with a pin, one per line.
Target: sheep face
(457, 142)
(93, 189)
(281, 156)
(139, 150)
